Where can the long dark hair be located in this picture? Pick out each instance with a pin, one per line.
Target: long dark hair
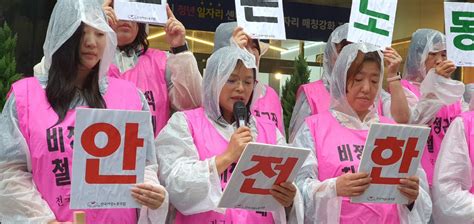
(140, 41)
(62, 76)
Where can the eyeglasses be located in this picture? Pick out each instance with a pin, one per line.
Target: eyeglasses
(246, 83)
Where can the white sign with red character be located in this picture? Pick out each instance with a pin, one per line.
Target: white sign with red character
(109, 157)
(142, 11)
(259, 168)
(391, 152)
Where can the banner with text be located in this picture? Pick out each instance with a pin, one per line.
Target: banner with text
(391, 152)
(459, 24)
(110, 149)
(372, 21)
(259, 168)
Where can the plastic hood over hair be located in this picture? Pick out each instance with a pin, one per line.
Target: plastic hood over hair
(65, 20)
(423, 41)
(223, 35)
(339, 76)
(330, 52)
(219, 67)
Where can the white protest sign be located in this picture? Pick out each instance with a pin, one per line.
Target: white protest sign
(259, 168)
(110, 148)
(372, 22)
(459, 23)
(142, 11)
(261, 19)
(391, 152)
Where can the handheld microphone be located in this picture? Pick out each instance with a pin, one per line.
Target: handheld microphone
(240, 113)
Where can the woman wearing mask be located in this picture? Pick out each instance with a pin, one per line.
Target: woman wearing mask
(38, 123)
(198, 148)
(324, 181)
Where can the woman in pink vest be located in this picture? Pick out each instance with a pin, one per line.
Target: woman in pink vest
(267, 101)
(453, 180)
(337, 136)
(313, 98)
(198, 149)
(169, 82)
(38, 120)
(434, 98)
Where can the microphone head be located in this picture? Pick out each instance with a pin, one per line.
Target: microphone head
(240, 112)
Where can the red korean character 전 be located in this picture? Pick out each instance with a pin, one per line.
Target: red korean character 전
(395, 146)
(131, 144)
(264, 165)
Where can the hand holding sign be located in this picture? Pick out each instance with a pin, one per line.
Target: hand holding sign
(148, 195)
(109, 12)
(284, 193)
(392, 61)
(240, 37)
(174, 29)
(409, 188)
(352, 184)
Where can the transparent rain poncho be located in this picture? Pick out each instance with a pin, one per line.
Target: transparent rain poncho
(469, 95)
(20, 200)
(423, 42)
(322, 205)
(193, 183)
(67, 16)
(338, 81)
(330, 52)
(218, 72)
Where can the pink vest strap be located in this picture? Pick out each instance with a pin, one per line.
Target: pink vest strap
(149, 75)
(269, 107)
(439, 127)
(338, 151)
(50, 146)
(468, 119)
(318, 96)
(202, 130)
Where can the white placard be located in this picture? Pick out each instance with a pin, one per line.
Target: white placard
(110, 147)
(259, 168)
(142, 11)
(261, 19)
(459, 24)
(391, 152)
(372, 22)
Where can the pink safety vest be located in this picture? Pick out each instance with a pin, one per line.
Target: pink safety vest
(439, 127)
(269, 107)
(202, 130)
(319, 99)
(318, 96)
(50, 147)
(149, 75)
(468, 119)
(339, 150)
